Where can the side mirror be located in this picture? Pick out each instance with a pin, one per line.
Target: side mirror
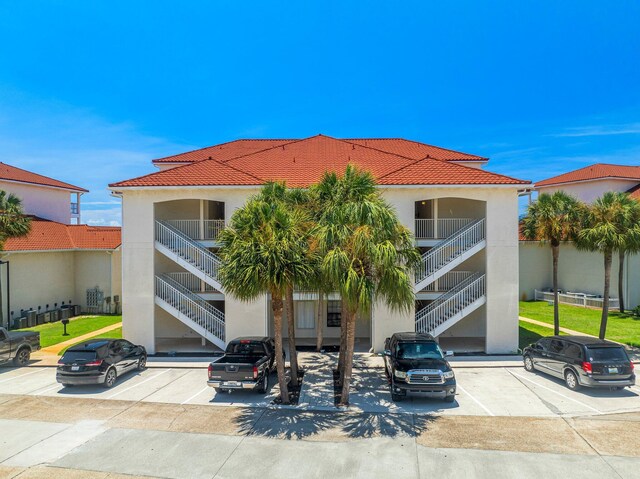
(386, 352)
(448, 354)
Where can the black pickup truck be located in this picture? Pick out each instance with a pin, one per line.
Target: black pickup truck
(246, 364)
(18, 346)
(414, 363)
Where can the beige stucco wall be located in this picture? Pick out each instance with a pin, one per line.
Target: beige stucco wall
(49, 203)
(578, 271)
(588, 191)
(96, 268)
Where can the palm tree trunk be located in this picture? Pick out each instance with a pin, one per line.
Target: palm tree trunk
(621, 280)
(555, 251)
(343, 340)
(608, 259)
(348, 359)
(291, 327)
(319, 321)
(276, 306)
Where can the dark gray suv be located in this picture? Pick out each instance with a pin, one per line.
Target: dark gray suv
(581, 361)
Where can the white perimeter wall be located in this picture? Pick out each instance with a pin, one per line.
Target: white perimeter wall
(49, 203)
(588, 191)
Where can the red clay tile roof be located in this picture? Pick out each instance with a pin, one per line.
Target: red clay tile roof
(302, 162)
(11, 173)
(50, 235)
(594, 172)
(397, 146)
(635, 192)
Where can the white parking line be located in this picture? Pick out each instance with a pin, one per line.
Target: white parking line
(196, 394)
(136, 385)
(47, 390)
(556, 392)
(22, 375)
(475, 400)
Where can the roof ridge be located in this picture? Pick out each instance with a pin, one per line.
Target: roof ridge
(213, 146)
(378, 149)
(266, 149)
(425, 144)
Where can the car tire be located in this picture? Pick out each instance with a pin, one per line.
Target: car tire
(528, 364)
(66, 385)
(142, 363)
(571, 380)
(264, 385)
(22, 357)
(110, 378)
(395, 397)
(450, 398)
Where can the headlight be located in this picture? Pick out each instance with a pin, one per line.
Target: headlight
(449, 375)
(401, 374)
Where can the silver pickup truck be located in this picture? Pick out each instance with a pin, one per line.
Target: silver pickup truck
(18, 346)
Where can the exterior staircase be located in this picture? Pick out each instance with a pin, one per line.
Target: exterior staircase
(190, 309)
(188, 253)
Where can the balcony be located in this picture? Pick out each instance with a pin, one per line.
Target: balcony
(205, 230)
(432, 229)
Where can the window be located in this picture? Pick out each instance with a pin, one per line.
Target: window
(305, 314)
(573, 351)
(334, 313)
(556, 346)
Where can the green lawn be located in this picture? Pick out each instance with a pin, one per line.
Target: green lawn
(623, 328)
(115, 334)
(51, 333)
(530, 333)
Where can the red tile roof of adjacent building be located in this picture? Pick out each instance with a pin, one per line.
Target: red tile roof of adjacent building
(11, 173)
(398, 146)
(49, 235)
(302, 162)
(635, 192)
(594, 172)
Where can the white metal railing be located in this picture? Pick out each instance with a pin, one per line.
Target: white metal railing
(188, 249)
(447, 281)
(191, 282)
(196, 309)
(577, 299)
(198, 230)
(449, 249)
(450, 304)
(440, 228)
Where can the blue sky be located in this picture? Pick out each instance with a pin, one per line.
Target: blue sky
(91, 91)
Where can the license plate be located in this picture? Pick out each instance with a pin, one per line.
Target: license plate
(231, 384)
(613, 370)
(75, 368)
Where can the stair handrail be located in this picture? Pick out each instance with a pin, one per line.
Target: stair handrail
(429, 318)
(213, 322)
(193, 296)
(437, 256)
(190, 250)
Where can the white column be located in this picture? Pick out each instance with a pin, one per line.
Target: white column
(435, 217)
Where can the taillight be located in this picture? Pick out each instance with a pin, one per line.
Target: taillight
(255, 372)
(631, 364)
(209, 370)
(94, 363)
(586, 367)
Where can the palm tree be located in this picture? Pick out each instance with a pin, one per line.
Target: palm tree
(13, 224)
(553, 219)
(605, 230)
(631, 243)
(367, 253)
(264, 250)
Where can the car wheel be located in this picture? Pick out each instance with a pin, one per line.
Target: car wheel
(528, 364)
(110, 378)
(571, 380)
(395, 397)
(142, 363)
(450, 398)
(22, 357)
(264, 385)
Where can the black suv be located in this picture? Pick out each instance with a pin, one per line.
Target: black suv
(581, 361)
(100, 361)
(414, 363)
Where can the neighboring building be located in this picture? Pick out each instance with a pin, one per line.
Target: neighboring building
(464, 220)
(581, 271)
(57, 262)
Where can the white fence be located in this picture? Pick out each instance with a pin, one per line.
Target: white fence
(441, 228)
(577, 299)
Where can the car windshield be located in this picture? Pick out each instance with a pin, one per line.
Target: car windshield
(418, 351)
(607, 354)
(71, 356)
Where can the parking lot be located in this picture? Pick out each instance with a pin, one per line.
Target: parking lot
(482, 391)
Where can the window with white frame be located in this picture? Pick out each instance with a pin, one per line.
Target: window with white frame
(305, 314)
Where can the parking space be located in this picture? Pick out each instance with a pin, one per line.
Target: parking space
(495, 391)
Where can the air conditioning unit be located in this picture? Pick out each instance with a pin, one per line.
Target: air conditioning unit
(22, 322)
(47, 317)
(31, 318)
(55, 315)
(39, 319)
(65, 313)
(76, 310)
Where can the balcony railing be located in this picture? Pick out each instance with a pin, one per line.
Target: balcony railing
(75, 209)
(441, 228)
(198, 230)
(191, 282)
(447, 281)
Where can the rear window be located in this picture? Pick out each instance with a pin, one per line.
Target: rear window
(79, 356)
(607, 354)
(247, 349)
